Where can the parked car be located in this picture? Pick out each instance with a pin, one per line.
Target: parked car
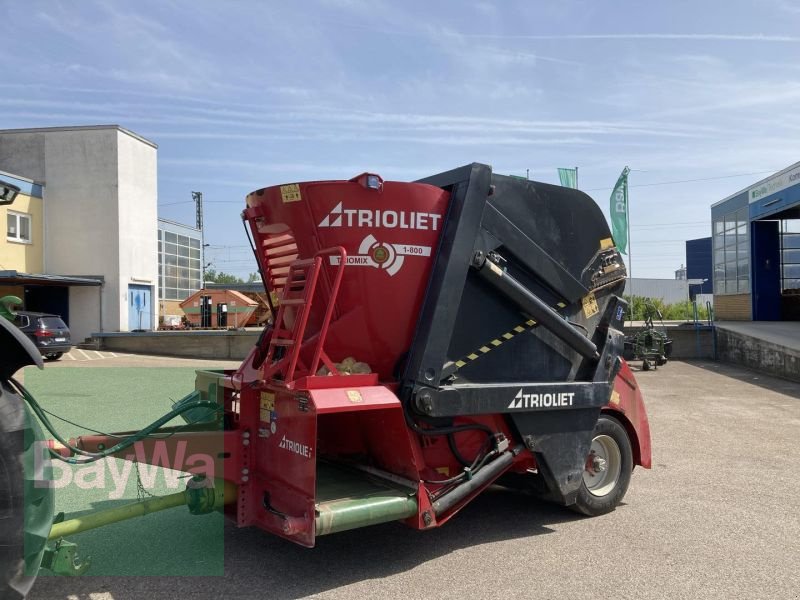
(48, 332)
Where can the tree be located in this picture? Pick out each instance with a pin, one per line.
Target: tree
(221, 277)
(254, 278)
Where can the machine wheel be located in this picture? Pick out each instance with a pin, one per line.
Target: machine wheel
(54, 356)
(645, 365)
(608, 469)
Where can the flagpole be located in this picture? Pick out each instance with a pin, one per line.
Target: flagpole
(630, 256)
(576, 179)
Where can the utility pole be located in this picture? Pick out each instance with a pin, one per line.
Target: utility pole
(198, 199)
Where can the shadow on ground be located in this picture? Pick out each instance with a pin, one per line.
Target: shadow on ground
(267, 566)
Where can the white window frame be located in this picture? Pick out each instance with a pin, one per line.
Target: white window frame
(17, 239)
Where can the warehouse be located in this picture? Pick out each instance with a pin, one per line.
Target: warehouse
(756, 242)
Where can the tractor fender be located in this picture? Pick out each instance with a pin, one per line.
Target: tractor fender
(627, 406)
(16, 350)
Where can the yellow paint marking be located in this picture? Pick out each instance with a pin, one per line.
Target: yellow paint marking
(472, 356)
(508, 336)
(460, 363)
(485, 349)
(519, 329)
(496, 343)
(530, 323)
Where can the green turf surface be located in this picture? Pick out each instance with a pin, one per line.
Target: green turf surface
(172, 542)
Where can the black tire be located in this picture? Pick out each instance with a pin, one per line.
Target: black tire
(21, 505)
(54, 356)
(604, 495)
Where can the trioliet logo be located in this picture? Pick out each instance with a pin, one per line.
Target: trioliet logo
(386, 219)
(295, 447)
(546, 400)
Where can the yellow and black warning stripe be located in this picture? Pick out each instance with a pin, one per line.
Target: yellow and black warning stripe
(497, 342)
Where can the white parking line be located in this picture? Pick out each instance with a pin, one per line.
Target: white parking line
(86, 356)
(70, 355)
(98, 354)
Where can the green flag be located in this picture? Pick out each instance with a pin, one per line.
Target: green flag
(619, 212)
(568, 177)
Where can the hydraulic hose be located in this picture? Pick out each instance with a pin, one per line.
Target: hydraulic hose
(124, 444)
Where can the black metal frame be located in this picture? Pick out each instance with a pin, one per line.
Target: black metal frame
(554, 419)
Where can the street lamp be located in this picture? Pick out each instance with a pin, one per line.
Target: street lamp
(8, 193)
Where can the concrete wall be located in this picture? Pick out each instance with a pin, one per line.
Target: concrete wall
(758, 354)
(23, 153)
(687, 342)
(84, 314)
(229, 345)
(137, 221)
(82, 215)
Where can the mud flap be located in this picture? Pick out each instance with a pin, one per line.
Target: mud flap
(560, 441)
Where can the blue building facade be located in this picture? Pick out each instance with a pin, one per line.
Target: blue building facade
(756, 250)
(699, 266)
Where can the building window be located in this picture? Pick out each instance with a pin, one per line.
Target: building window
(732, 253)
(179, 265)
(19, 227)
(790, 257)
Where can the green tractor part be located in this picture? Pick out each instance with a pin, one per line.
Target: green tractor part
(26, 509)
(200, 496)
(6, 307)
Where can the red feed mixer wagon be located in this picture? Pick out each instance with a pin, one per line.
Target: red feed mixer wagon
(431, 339)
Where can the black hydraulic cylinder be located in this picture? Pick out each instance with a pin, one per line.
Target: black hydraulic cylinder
(536, 308)
(482, 478)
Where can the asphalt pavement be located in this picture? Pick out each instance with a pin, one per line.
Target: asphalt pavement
(716, 517)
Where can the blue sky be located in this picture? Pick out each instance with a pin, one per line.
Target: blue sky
(240, 95)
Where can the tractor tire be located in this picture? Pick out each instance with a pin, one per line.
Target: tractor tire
(26, 511)
(608, 469)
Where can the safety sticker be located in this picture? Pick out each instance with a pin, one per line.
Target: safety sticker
(606, 244)
(614, 398)
(267, 406)
(590, 307)
(390, 257)
(290, 193)
(354, 396)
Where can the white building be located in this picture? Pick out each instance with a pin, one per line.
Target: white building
(100, 219)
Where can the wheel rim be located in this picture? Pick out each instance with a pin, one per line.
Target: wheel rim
(603, 466)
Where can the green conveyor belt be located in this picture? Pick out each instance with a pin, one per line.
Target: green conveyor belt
(349, 499)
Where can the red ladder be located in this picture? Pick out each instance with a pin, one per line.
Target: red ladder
(296, 300)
